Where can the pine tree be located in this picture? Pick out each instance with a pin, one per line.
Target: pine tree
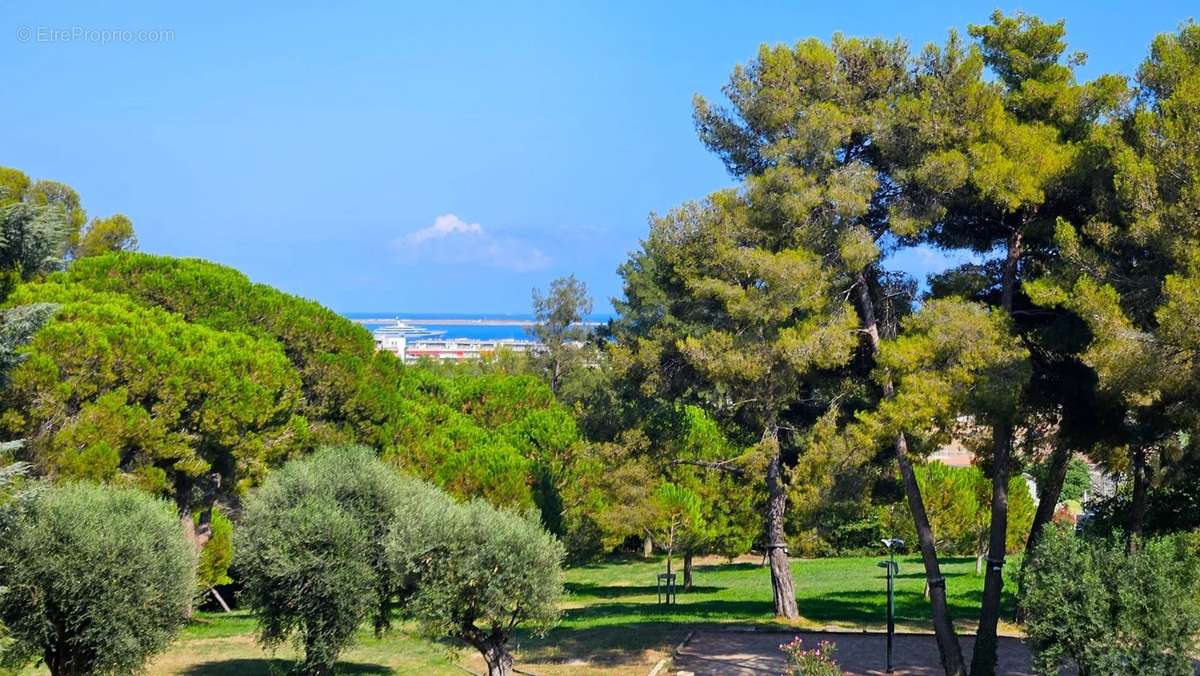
(722, 310)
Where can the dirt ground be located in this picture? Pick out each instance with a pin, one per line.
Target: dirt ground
(755, 653)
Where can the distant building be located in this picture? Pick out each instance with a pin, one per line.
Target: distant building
(953, 454)
(413, 343)
(462, 349)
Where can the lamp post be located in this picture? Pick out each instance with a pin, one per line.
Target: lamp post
(892, 569)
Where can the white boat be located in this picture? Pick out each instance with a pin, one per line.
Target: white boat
(400, 329)
(394, 337)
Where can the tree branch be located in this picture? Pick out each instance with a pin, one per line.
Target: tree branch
(721, 466)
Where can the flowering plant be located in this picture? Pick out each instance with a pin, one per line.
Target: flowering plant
(815, 662)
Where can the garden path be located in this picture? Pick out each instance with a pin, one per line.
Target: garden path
(757, 653)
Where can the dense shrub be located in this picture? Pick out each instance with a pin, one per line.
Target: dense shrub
(96, 579)
(1172, 503)
(311, 551)
(212, 568)
(1076, 483)
(474, 573)
(1089, 602)
(958, 501)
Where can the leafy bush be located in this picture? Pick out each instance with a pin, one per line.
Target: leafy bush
(96, 579)
(1076, 483)
(1089, 602)
(307, 576)
(815, 662)
(212, 570)
(474, 573)
(958, 501)
(311, 551)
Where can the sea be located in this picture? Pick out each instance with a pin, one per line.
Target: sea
(464, 326)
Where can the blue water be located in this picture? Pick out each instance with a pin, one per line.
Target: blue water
(468, 331)
(479, 332)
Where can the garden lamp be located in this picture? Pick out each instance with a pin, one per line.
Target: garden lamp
(892, 544)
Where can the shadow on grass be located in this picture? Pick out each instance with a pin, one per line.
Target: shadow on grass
(615, 591)
(273, 667)
(616, 631)
(716, 609)
(726, 567)
(867, 607)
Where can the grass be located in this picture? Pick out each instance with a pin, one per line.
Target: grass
(611, 622)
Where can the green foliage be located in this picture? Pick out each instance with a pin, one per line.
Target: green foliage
(474, 573)
(33, 239)
(97, 580)
(311, 550)
(41, 225)
(353, 478)
(307, 575)
(10, 473)
(1129, 272)
(612, 492)
(676, 517)
(952, 358)
(115, 391)
(206, 328)
(104, 235)
(1076, 484)
(212, 568)
(17, 326)
(561, 360)
(1172, 504)
(1111, 612)
(958, 500)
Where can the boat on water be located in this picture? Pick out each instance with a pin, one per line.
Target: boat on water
(397, 328)
(396, 336)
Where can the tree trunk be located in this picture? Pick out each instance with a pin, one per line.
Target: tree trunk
(491, 645)
(687, 570)
(1048, 494)
(58, 663)
(781, 572)
(1137, 509)
(217, 596)
(312, 665)
(499, 660)
(979, 563)
(983, 661)
(647, 546)
(943, 624)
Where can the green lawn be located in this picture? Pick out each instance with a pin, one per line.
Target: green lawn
(611, 623)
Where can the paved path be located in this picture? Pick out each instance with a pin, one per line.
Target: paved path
(753, 653)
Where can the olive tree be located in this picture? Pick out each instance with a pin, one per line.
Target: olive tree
(473, 573)
(307, 576)
(311, 553)
(96, 580)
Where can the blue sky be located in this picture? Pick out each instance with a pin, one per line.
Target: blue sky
(422, 157)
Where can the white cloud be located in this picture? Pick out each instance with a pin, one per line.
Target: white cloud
(452, 241)
(444, 226)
